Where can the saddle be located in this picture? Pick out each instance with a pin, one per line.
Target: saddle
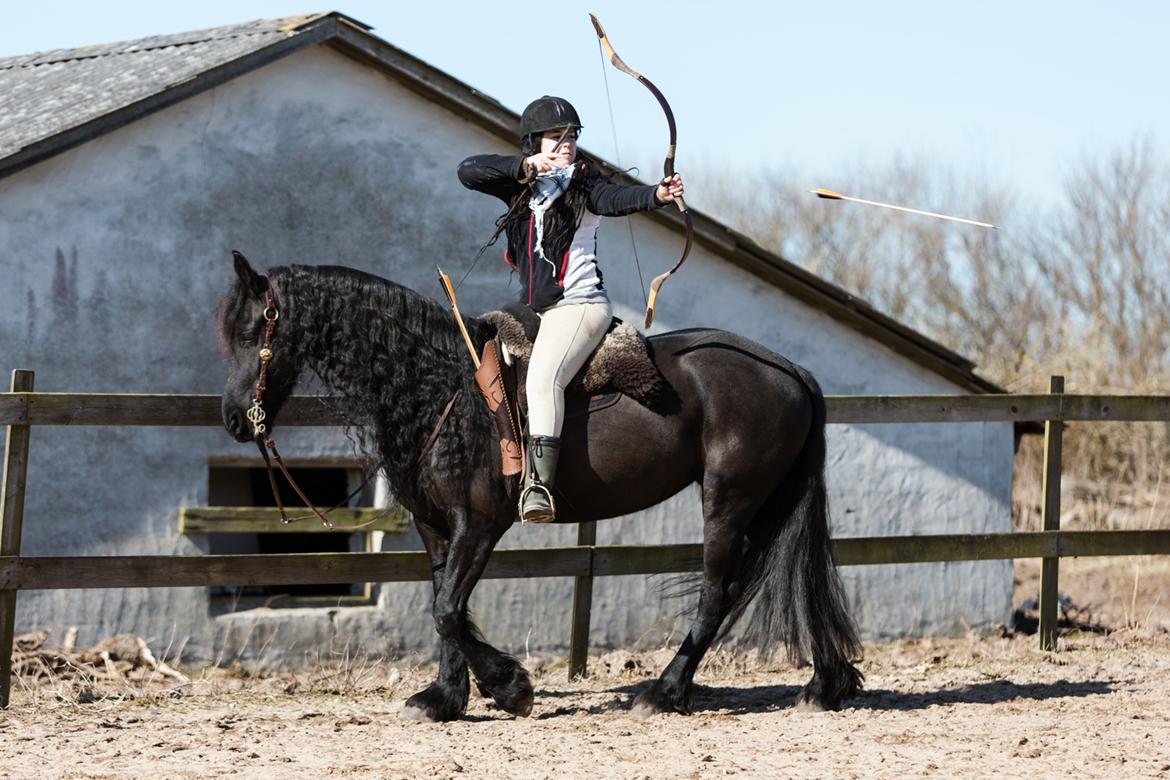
(622, 362)
(621, 365)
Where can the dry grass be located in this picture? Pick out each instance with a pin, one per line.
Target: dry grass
(1129, 492)
(46, 676)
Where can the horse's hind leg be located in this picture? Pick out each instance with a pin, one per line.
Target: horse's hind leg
(726, 513)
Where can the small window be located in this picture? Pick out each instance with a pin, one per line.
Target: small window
(246, 484)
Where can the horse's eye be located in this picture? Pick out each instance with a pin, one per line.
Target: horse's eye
(248, 341)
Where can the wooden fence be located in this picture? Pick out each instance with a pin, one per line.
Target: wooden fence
(22, 408)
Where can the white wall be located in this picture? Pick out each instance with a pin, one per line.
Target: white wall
(114, 255)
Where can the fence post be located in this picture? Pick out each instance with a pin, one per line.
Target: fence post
(11, 516)
(582, 604)
(1050, 567)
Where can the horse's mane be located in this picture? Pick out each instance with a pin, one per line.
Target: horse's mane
(386, 302)
(407, 309)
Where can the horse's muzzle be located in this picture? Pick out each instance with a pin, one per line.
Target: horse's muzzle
(237, 425)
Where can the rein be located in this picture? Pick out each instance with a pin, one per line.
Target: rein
(256, 415)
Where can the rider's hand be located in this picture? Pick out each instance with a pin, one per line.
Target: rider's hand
(542, 162)
(669, 189)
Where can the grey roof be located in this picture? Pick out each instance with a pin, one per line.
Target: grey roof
(44, 94)
(53, 101)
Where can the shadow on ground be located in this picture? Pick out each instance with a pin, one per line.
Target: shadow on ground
(769, 698)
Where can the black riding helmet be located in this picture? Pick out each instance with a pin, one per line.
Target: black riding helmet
(548, 113)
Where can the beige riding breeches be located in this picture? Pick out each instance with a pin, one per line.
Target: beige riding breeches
(568, 335)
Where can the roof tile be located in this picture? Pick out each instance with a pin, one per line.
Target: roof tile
(47, 93)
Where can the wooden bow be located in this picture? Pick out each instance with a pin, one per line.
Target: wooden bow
(667, 165)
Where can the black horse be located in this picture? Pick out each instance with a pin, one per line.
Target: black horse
(746, 424)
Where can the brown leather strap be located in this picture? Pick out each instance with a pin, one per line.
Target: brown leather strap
(272, 478)
(438, 427)
(270, 444)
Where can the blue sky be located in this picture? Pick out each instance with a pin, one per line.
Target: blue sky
(1011, 93)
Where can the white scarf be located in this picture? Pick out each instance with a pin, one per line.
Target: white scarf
(549, 186)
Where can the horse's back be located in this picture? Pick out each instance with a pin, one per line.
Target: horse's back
(721, 365)
(748, 394)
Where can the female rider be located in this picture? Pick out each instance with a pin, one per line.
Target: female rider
(556, 198)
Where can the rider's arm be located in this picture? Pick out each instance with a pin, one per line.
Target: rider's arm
(609, 199)
(493, 174)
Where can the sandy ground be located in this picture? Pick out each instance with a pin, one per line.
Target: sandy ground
(965, 707)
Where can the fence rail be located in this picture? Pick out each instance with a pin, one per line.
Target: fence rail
(126, 409)
(23, 408)
(170, 571)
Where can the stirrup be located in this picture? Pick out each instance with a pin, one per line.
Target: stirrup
(540, 518)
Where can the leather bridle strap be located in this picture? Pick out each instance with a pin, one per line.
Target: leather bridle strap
(256, 413)
(269, 444)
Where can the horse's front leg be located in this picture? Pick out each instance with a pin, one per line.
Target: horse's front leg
(499, 675)
(446, 698)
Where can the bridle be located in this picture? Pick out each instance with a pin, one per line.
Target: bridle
(264, 441)
(256, 413)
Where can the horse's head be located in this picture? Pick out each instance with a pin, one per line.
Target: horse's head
(254, 335)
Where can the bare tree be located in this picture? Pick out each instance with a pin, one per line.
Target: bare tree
(1106, 254)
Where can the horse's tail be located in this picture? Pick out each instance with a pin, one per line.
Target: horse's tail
(789, 568)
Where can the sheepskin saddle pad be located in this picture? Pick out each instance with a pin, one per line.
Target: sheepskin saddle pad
(622, 363)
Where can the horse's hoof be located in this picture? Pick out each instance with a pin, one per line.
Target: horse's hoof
(643, 710)
(523, 707)
(814, 698)
(653, 701)
(810, 701)
(417, 714)
(433, 705)
(519, 703)
(514, 696)
(809, 705)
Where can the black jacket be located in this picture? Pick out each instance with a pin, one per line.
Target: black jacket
(500, 175)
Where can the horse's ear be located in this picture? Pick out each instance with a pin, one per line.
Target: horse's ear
(251, 280)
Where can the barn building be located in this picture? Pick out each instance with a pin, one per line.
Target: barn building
(127, 173)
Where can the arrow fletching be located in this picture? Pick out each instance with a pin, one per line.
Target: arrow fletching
(448, 288)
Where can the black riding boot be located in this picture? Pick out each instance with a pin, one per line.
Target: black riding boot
(536, 501)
